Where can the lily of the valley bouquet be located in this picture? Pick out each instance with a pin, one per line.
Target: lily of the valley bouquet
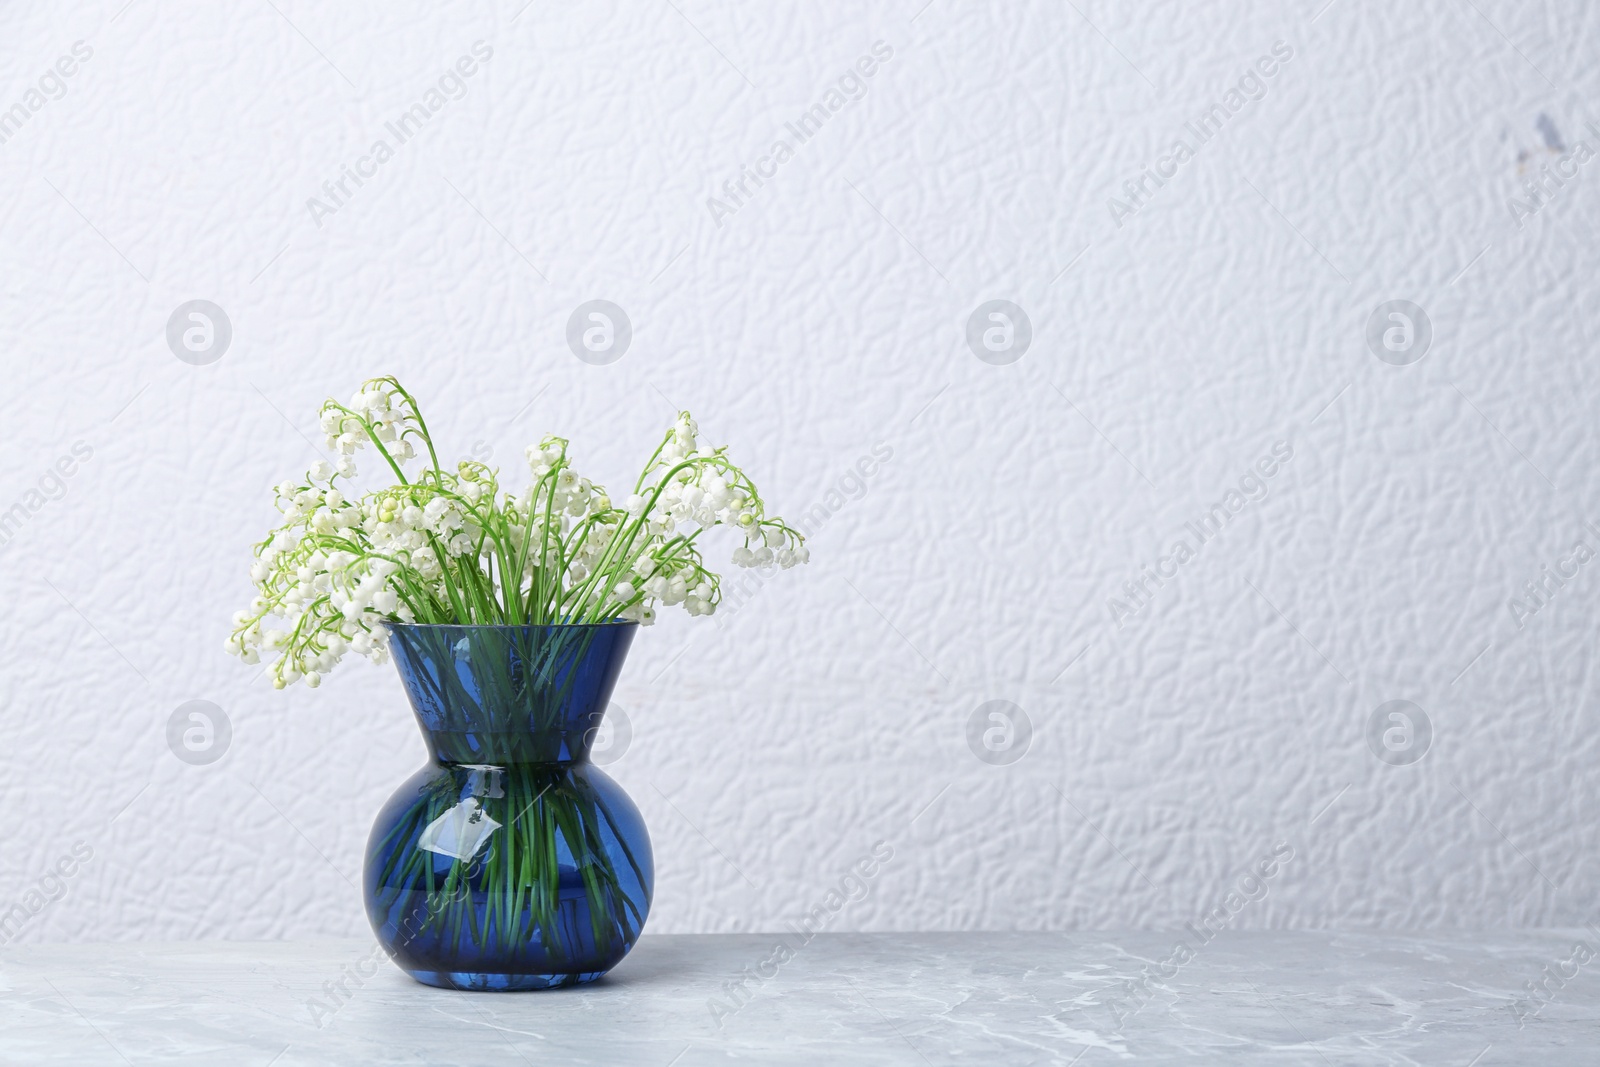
(454, 545)
(510, 861)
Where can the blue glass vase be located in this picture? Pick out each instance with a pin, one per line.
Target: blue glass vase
(509, 861)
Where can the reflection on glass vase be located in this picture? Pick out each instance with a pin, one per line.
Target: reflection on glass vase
(510, 861)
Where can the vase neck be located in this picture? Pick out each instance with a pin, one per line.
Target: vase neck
(510, 695)
(488, 748)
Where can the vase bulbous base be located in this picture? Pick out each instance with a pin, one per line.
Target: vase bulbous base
(501, 983)
(509, 861)
(508, 878)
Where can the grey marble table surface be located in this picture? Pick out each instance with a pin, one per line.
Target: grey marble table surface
(982, 998)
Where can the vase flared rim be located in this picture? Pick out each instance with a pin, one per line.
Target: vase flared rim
(489, 627)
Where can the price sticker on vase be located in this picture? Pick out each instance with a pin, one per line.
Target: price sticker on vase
(599, 332)
(999, 733)
(198, 732)
(199, 332)
(1399, 733)
(999, 332)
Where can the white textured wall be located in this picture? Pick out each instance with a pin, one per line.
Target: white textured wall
(1171, 349)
